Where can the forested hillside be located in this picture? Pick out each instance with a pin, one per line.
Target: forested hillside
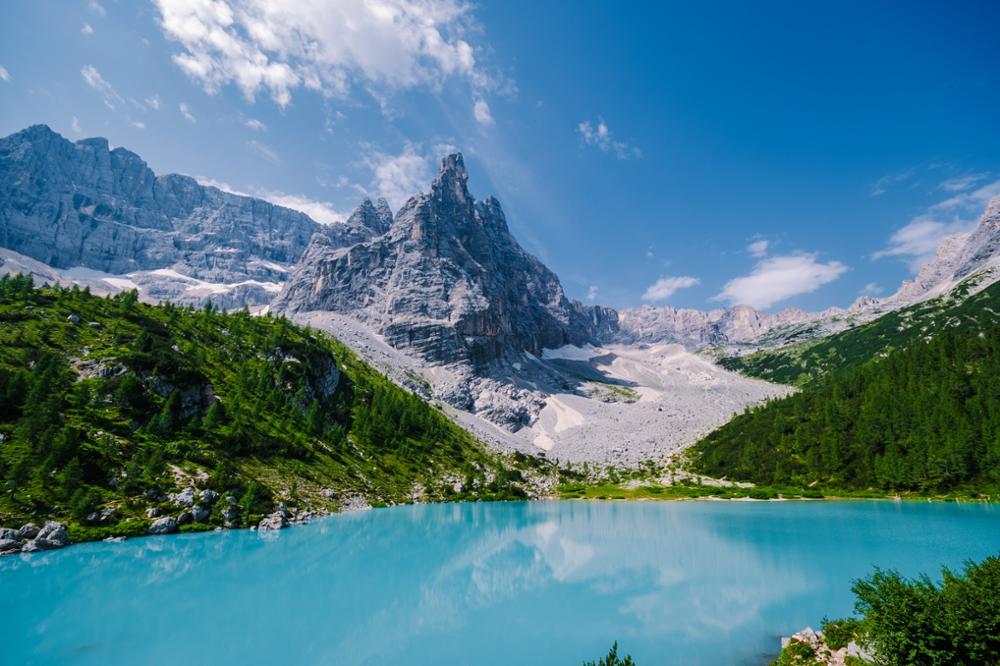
(800, 364)
(924, 417)
(111, 404)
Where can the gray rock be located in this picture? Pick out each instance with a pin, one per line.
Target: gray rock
(185, 518)
(165, 525)
(274, 521)
(446, 280)
(8, 533)
(9, 546)
(104, 516)
(83, 204)
(73, 319)
(28, 531)
(208, 496)
(199, 513)
(52, 535)
(184, 498)
(152, 512)
(230, 515)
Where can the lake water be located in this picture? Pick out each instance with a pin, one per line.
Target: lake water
(509, 583)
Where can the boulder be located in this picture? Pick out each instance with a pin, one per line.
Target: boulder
(104, 516)
(199, 513)
(28, 531)
(152, 512)
(184, 498)
(9, 546)
(208, 496)
(8, 533)
(275, 521)
(51, 536)
(165, 525)
(185, 518)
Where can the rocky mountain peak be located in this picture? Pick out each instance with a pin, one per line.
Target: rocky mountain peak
(451, 180)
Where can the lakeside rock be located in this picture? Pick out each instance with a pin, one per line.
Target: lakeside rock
(165, 525)
(809, 648)
(277, 520)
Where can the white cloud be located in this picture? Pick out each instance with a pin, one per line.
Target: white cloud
(758, 249)
(86, 29)
(961, 183)
(323, 212)
(600, 135)
(186, 112)
(398, 177)
(4, 74)
(917, 242)
(94, 79)
(153, 102)
(665, 287)
(138, 124)
(482, 113)
(329, 47)
(97, 8)
(871, 289)
(255, 124)
(887, 181)
(264, 151)
(75, 124)
(779, 278)
(592, 293)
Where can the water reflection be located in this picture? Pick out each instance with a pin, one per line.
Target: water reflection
(676, 583)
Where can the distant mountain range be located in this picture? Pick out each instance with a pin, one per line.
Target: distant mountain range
(440, 295)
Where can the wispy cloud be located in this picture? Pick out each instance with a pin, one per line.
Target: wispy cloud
(138, 124)
(153, 102)
(108, 93)
(328, 47)
(592, 293)
(97, 8)
(871, 289)
(4, 74)
(962, 183)
(186, 112)
(481, 110)
(86, 29)
(917, 242)
(75, 124)
(599, 135)
(779, 278)
(398, 177)
(758, 248)
(323, 212)
(888, 181)
(264, 151)
(665, 287)
(255, 125)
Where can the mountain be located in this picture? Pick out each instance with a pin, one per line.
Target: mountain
(94, 212)
(445, 280)
(909, 402)
(111, 408)
(972, 258)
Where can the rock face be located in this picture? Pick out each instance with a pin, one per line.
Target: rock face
(86, 205)
(445, 279)
(165, 525)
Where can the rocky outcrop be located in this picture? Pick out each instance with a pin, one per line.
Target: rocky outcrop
(165, 525)
(85, 204)
(32, 539)
(278, 520)
(445, 280)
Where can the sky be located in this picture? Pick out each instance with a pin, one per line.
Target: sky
(774, 154)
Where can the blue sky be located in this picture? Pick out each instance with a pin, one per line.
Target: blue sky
(796, 154)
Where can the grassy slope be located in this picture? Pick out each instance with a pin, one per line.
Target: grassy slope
(106, 402)
(800, 364)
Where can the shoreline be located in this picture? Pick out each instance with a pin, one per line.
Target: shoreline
(118, 538)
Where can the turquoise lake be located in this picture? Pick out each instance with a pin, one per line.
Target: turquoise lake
(527, 583)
